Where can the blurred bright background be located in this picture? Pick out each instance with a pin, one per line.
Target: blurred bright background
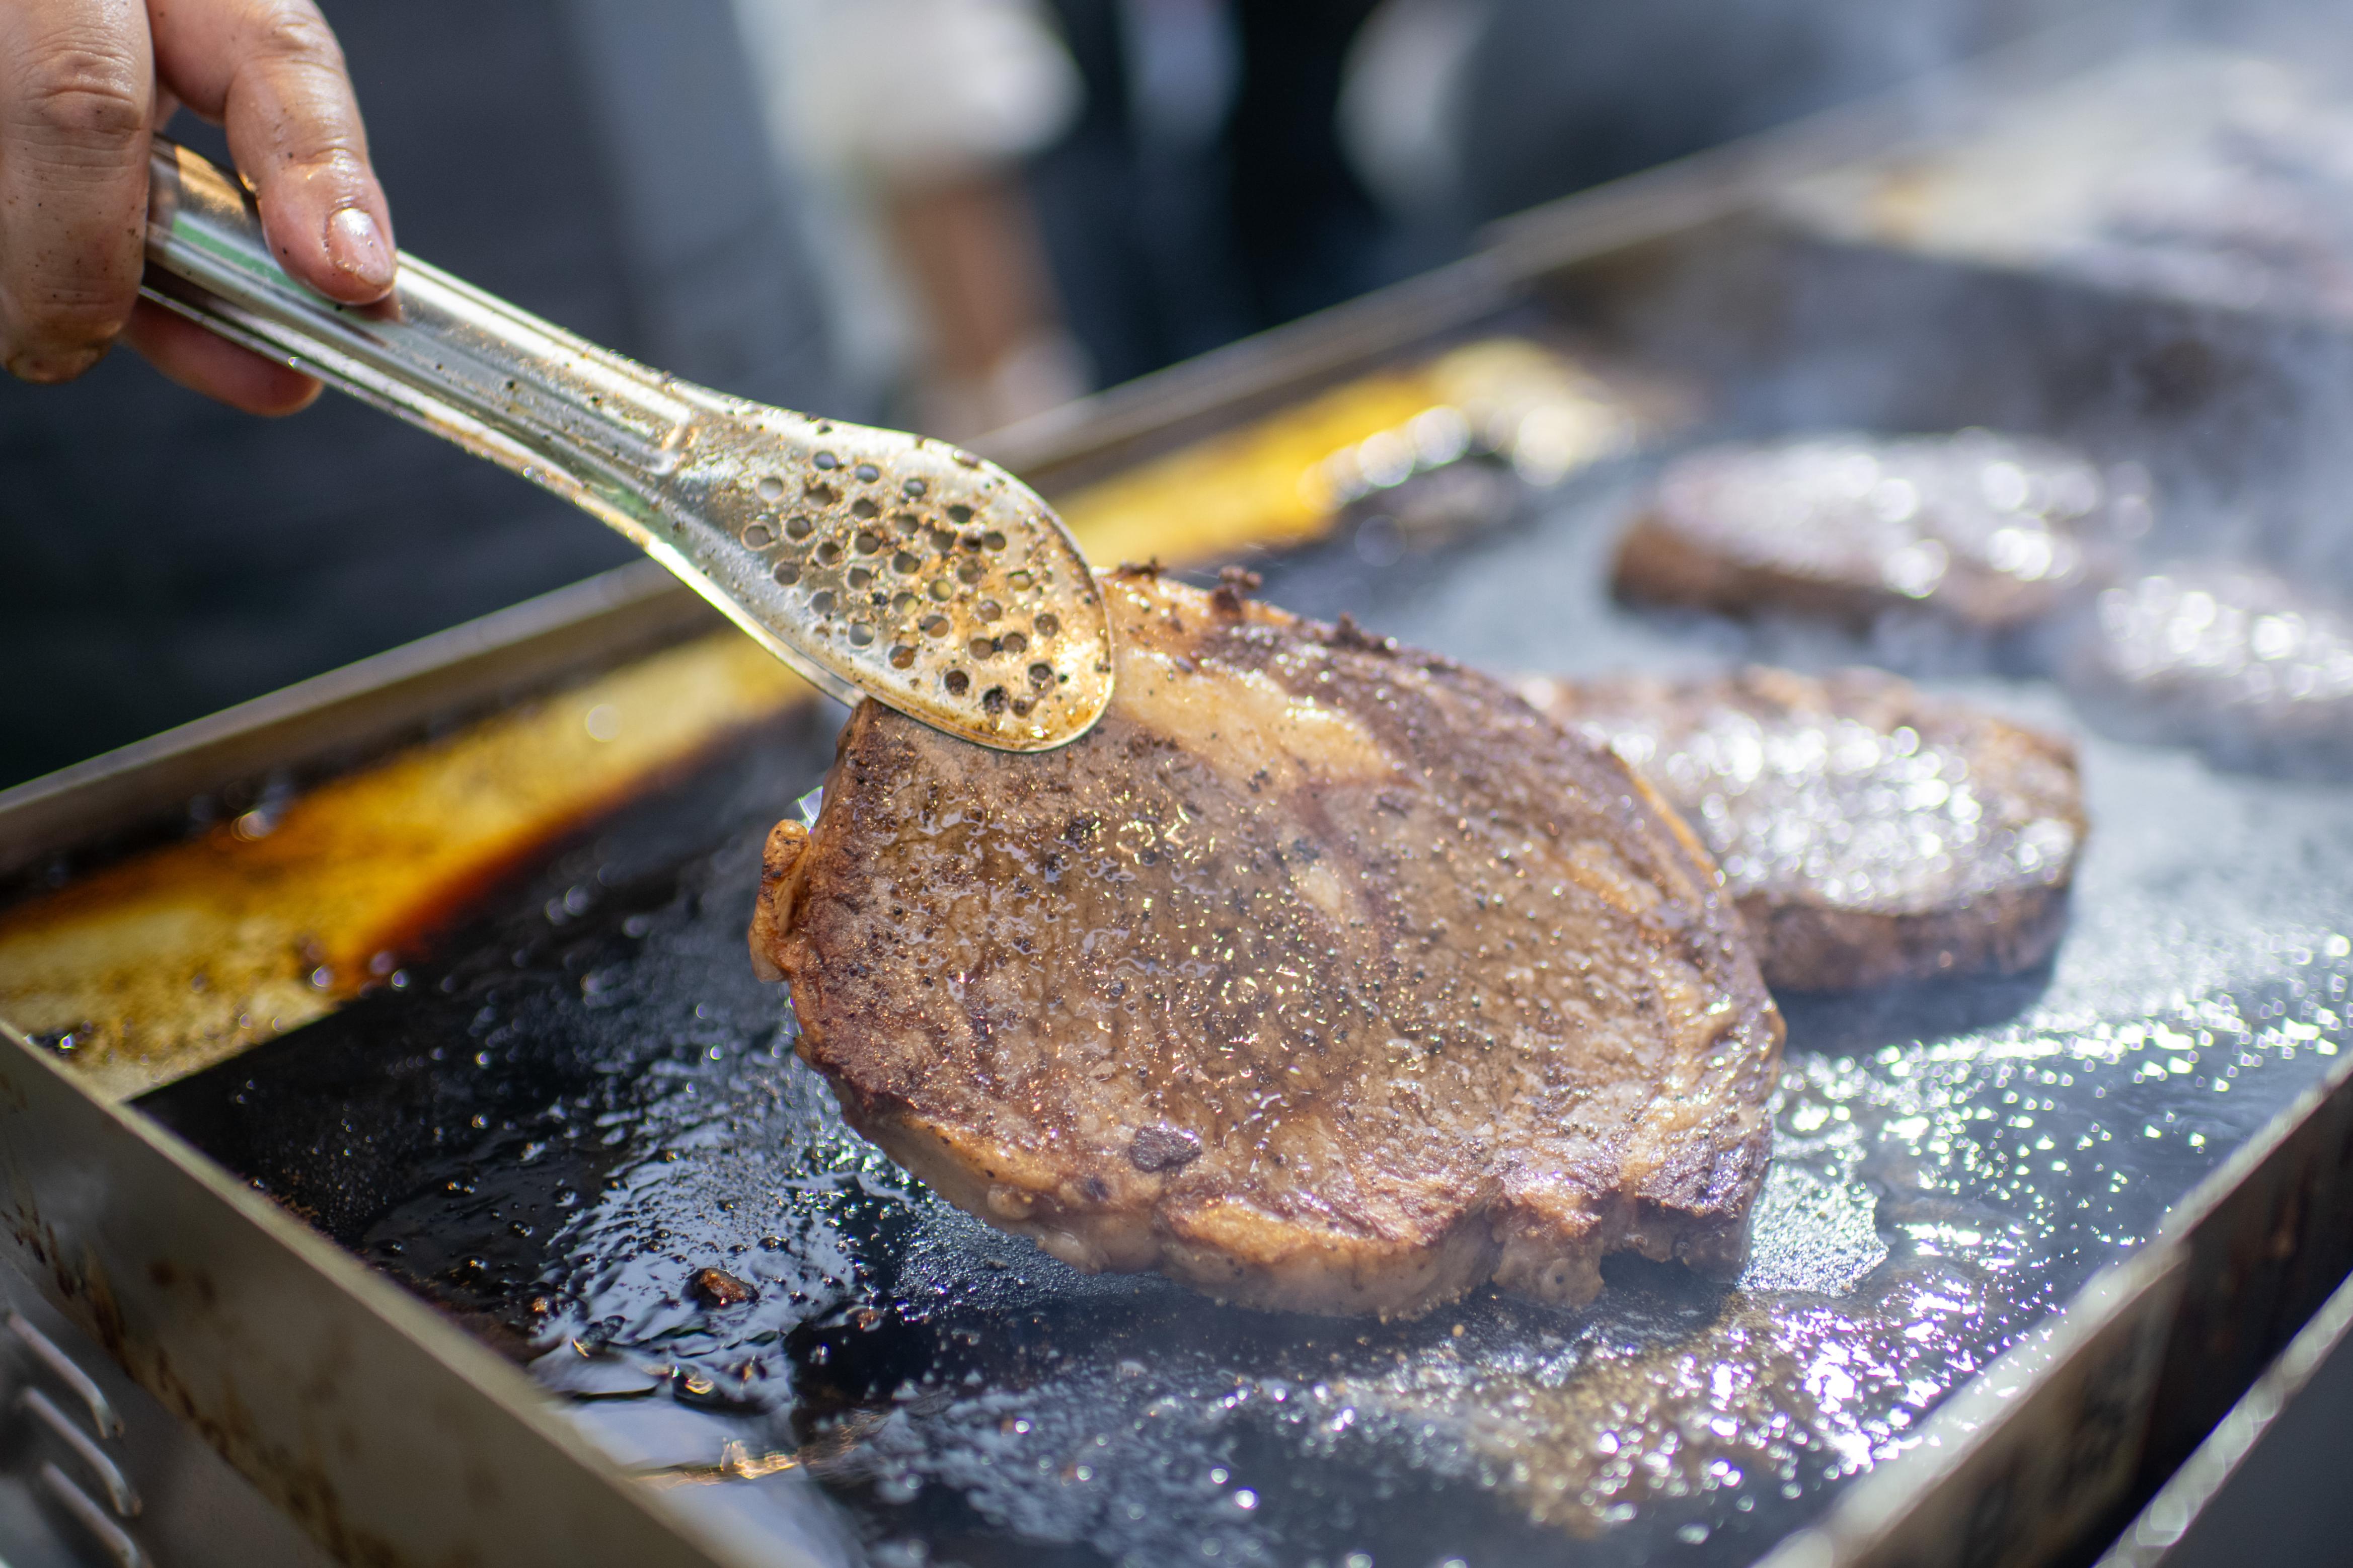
(947, 214)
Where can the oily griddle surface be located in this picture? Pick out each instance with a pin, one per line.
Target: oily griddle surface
(588, 1099)
(1322, 974)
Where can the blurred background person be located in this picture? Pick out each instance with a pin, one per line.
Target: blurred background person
(908, 122)
(1202, 194)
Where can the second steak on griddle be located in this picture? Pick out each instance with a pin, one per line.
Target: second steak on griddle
(1870, 832)
(1321, 974)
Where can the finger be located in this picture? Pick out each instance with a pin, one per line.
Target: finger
(271, 71)
(166, 105)
(213, 365)
(76, 81)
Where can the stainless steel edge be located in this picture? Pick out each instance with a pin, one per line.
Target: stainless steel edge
(363, 705)
(387, 1435)
(2160, 1526)
(2046, 1451)
(2024, 1460)
(193, 1511)
(2267, 1239)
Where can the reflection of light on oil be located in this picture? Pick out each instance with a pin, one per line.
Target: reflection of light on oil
(1913, 1229)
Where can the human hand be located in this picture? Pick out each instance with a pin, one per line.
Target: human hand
(84, 85)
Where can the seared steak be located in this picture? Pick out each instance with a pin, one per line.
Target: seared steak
(1870, 832)
(1984, 529)
(1322, 974)
(2255, 669)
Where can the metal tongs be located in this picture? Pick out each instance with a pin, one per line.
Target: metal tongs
(874, 562)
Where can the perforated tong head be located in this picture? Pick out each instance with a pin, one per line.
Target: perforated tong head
(875, 562)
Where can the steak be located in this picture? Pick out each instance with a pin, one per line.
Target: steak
(1990, 530)
(2256, 669)
(1868, 831)
(1322, 974)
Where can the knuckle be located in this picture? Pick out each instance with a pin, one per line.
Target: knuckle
(63, 316)
(57, 338)
(49, 368)
(290, 72)
(296, 33)
(85, 94)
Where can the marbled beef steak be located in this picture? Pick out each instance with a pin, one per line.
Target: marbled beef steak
(1322, 974)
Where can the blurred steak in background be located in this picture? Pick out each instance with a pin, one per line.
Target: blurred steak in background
(1992, 531)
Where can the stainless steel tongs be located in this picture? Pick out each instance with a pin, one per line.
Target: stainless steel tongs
(872, 562)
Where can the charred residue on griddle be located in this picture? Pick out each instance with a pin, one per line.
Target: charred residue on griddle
(451, 1132)
(715, 1287)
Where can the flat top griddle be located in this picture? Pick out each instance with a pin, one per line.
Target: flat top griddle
(586, 1099)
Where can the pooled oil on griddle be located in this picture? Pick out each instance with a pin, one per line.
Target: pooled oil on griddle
(585, 1132)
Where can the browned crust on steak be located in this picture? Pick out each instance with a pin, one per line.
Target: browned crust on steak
(2000, 907)
(1322, 974)
(1817, 947)
(1658, 564)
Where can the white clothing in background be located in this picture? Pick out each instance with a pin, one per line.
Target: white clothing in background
(1400, 102)
(865, 96)
(908, 90)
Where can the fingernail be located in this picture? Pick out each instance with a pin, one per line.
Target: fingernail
(355, 245)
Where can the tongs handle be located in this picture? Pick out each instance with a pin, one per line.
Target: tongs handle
(595, 427)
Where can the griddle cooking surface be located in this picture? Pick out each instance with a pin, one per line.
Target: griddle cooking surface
(551, 1129)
